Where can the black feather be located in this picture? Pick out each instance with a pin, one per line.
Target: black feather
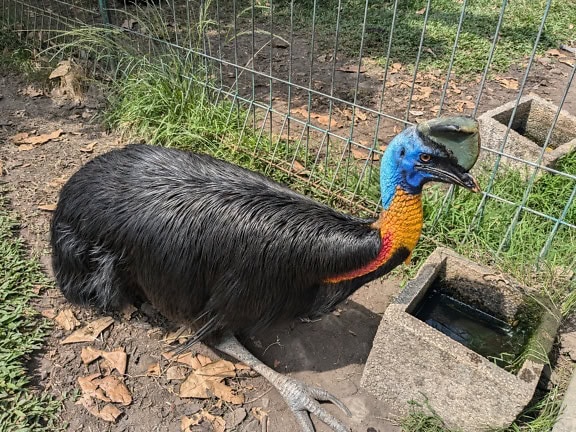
(199, 237)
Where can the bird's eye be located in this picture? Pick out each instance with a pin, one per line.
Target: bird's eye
(425, 157)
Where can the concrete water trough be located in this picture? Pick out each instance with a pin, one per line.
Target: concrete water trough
(528, 132)
(465, 339)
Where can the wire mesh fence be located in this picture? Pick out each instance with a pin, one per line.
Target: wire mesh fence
(324, 85)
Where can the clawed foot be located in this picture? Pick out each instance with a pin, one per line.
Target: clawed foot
(304, 400)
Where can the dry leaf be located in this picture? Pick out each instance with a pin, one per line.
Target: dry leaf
(88, 403)
(176, 373)
(89, 148)
(64, 67)
(225, 392)
(32, 91)
(186, 422)
(555, 52)
(89, 354)
(25, 147)
(298, 168)
(218, 423)
(195, 387)
(25, 138)
(109, 413)
(129, 23)
(153, 370)
(567, 62)
(118, 359)
(89, 332)
(19, 137)
(509, 83)
(421, 11)
(115, 389)
(217, 370)
(48, 313)
(187, 359)
(204, 360)
(65, 318)
(58, 181)
(416, 113)
(259, 414)
(50, 208)
(90, 387)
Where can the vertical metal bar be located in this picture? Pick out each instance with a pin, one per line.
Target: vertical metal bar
(271, 73)
(290, 60)
(554, 230)
(312, 48)
(490, 56)
(453, 56)
(104, 12)
(417, 64)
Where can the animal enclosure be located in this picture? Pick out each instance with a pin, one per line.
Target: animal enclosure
(316, 89)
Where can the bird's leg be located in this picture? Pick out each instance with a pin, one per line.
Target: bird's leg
(301, 398)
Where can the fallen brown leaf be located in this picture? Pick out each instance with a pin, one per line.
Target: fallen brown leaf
(89, 332)
(218, 423)
(89, 148)
(115, 389)
(416, 113)
(89, 354)
(32, 91)
(118, 359)
(47, 207)
(187, 359)
(225, 392)
(25, 138)
(63, 68)
(109, 413)
(186, 422)
(48, 313)
(298, 168)
(217, 370)
(90, 387)
(567, 62)
(66, 318)
(195, 387)
(259, 414)
(421, 11)
(176, 373)
(25, 147)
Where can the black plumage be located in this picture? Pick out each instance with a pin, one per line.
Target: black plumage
(202, 238)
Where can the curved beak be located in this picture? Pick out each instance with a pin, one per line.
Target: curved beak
(459, 137)
(449, 173)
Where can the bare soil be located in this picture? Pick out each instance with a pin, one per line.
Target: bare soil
(329, 353)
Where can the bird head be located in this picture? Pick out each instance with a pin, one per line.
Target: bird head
(442, 150)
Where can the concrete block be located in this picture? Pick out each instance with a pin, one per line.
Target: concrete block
(412, 361)
(566, 421)
(527, 136)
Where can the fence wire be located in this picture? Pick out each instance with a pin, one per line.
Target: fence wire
(324, 85)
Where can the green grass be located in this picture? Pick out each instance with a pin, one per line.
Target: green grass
(520, 26)
(22, 331)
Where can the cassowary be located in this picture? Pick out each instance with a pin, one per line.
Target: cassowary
(208, 242)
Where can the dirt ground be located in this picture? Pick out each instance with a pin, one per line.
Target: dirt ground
(329, 353)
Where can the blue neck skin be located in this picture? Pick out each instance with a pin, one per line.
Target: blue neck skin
(397, 167)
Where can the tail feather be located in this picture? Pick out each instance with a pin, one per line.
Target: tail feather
(86, 274)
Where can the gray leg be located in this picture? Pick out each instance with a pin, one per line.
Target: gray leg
(302, 399)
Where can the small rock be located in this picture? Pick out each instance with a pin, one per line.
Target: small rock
(568, 345)
(234, 418)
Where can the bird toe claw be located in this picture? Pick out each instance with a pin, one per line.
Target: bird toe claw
(304, 400)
